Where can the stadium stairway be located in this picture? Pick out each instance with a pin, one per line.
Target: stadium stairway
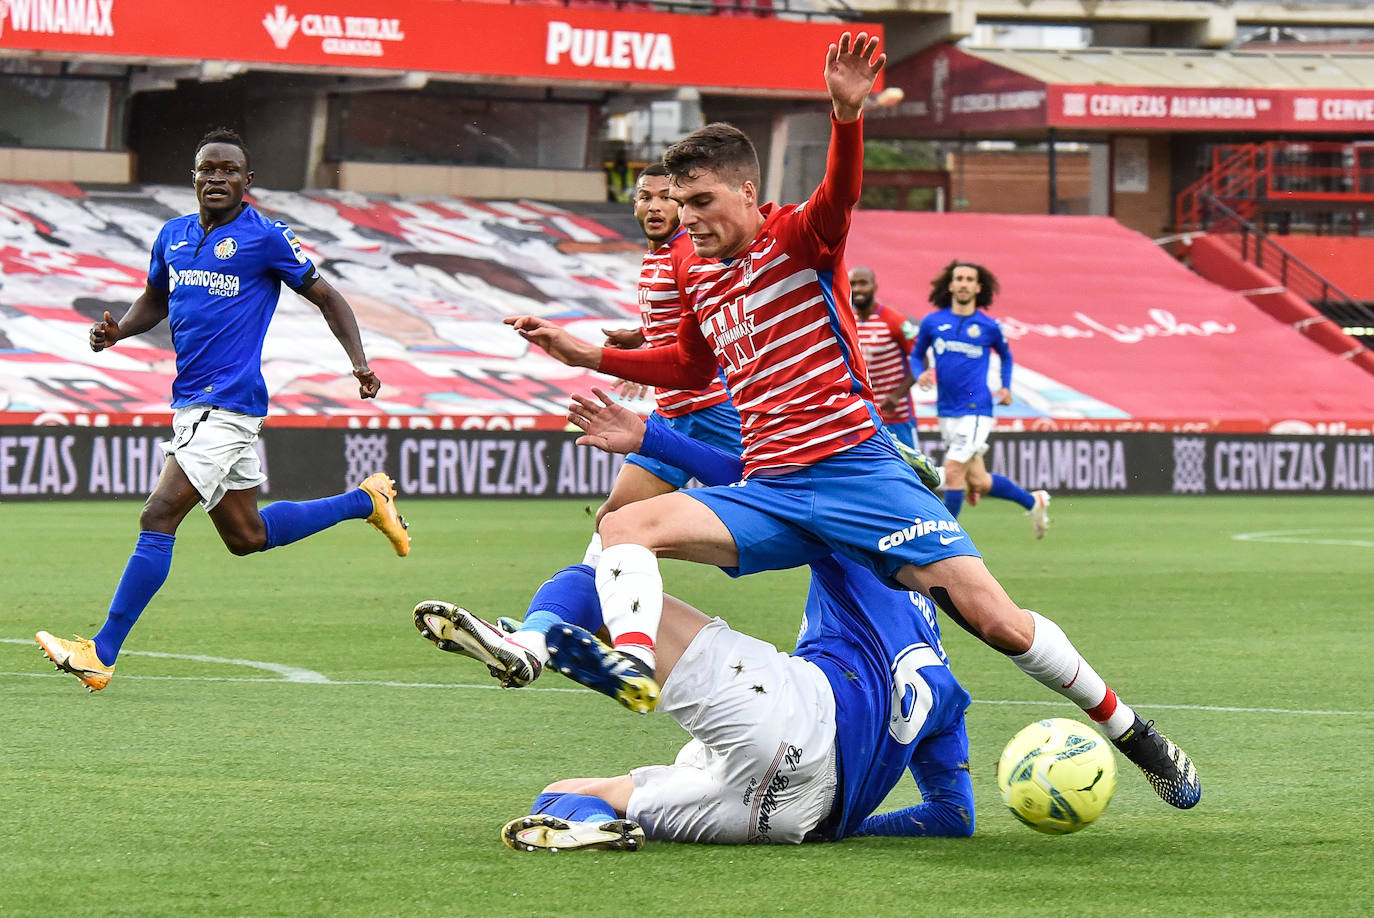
(1103, 324)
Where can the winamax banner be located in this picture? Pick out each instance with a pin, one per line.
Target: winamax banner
(46, 464)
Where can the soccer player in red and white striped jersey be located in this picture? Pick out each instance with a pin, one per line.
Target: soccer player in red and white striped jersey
(705, 413)
(769, 298)
(883, 335)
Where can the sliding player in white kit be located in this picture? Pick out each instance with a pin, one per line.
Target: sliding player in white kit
(785, 748)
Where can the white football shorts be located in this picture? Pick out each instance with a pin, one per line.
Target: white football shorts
(760, 767)
(965, 437)
(216, 448)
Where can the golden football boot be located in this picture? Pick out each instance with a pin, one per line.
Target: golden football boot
(384, 517)
(76, 657)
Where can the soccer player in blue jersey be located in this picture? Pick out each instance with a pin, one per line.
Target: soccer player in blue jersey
(215, 276)
(784, 748)
(963, 337)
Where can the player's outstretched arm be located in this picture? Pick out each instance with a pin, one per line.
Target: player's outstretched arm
(342, 323)
(850, 72)
(556, 342)
(149, 309)
(613, 427)
(946, 810)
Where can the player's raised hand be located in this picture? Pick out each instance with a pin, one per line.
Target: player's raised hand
(608, 425)
(556, 341)
(368, 383)
(850, 71)
(104, 333)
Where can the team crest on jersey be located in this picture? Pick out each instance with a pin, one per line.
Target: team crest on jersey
(225, 248)
(974, 331)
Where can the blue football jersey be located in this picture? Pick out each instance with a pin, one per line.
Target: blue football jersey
(881, 651)
(963, 347)
(223, 288)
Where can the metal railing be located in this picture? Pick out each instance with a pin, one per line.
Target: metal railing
(1257, 248)
(1284, 180)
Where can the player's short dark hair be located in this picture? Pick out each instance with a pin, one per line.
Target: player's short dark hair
(939, 286)
(718, 147)
(228, 136)
(654, 168)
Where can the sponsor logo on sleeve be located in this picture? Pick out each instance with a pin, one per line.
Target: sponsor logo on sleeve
(292, 241)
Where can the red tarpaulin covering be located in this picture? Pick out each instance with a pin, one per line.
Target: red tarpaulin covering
(1102, 310)
(1346, 261)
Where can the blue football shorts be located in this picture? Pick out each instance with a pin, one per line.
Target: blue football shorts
(904, 431)
(864, 503)
(717, 425)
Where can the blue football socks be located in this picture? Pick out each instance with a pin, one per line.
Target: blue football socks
(568, 596)
(143, 576)
(290, 521)
(954, 501)
(1007, 489)
(574, 807)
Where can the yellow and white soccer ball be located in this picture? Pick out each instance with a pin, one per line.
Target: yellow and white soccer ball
(1057, 775)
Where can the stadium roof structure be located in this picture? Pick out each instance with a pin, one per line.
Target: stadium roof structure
(953, 90)
(1189, 67)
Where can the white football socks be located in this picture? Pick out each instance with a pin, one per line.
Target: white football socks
(593, 553)
(533, 642)
(631, 592)
(1053, 661)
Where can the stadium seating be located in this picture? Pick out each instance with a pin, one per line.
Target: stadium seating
(1103, 324)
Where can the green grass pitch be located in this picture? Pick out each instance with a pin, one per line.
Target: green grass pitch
(198, 784)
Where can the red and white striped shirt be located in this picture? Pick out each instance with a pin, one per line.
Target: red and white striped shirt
(777, 319)
(660, 312)
(886, 348)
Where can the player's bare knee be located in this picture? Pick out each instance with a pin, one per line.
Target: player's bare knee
(601, 512)
(157, 515)
(1011, 633)
(571, 786)
(240, 544)
(622, 525)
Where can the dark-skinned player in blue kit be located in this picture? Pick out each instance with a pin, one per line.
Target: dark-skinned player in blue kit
(216, 276)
